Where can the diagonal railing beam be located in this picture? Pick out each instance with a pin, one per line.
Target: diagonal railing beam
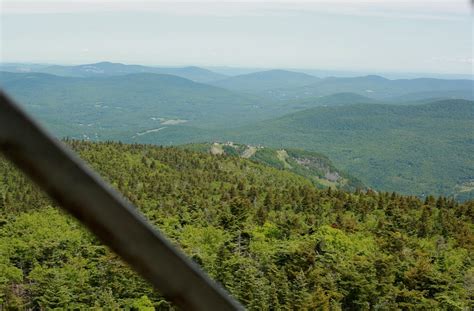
(81, 192)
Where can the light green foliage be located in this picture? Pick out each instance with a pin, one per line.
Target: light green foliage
(272, 239)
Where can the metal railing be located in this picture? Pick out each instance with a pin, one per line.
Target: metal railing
(81, 192)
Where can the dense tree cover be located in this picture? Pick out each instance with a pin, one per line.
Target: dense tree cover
(268, 236)
(418, 146)
(412, 149)
(119, 107)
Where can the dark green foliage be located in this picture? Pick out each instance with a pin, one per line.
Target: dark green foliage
(268, 236)
(414, 149)
(126, 106)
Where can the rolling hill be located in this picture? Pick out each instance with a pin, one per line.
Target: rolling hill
(111, 69)
(132, 107)
(264, 81)
(132, 103)
(337, 99)
(379, 88)
(413, 149)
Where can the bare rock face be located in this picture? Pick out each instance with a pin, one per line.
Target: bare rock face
(216, 149)
(332, 176)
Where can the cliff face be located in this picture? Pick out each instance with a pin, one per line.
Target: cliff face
(314, 166)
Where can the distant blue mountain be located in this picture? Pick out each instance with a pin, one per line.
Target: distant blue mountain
(111, 69)
(266, 80)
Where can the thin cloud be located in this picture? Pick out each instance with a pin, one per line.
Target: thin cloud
(425, 9)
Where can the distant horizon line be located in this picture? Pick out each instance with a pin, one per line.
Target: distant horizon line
(349, 72)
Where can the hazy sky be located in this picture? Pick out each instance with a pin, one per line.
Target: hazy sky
(388, 35)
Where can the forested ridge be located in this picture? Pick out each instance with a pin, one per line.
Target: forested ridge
(409, 136)
(314, 166)
(272, 239)
(412, 149)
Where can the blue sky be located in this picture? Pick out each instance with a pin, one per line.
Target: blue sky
(399, 36)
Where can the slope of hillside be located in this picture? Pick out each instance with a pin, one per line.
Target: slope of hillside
(193, 73)
(111, 69)
(425, 149)
(464, 93)
(414, 149)
(314, 166)
(266, 80)
(267, 236)
(132, 107)
(337, 99)
(21, 67)
(132, 103)
(380, 88)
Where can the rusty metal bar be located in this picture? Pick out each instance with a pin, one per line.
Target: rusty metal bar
(81, 192)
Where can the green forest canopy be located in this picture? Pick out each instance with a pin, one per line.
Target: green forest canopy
(420, 146)
(268, 236)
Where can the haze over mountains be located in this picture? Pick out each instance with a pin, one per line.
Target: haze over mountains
(409, 135)
(110, 69)
(266, 80)
(280, 84)
(381, 88)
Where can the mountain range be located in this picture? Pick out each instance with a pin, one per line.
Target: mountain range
(266, 80)
(413, 149)
(103, 69)
(132, 102)
(409, 135)
(377, 87)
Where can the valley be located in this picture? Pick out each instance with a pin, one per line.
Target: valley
(237, 155)
(408, 135)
